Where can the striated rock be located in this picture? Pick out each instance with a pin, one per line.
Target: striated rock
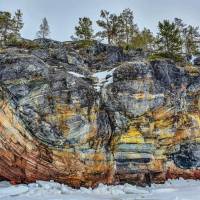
(141, 126)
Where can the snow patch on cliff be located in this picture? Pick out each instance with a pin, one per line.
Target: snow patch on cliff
(103, 78)
(76, 74)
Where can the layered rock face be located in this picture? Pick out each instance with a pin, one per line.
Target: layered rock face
(60, 120)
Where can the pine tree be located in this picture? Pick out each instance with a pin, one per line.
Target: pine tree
(127, 26)
(18, 22)
(190, 37)
(6, 26)
(44, 29)
(191, 40)
(143, 40)
(10, 26)
(84, 29)
(179, 24)
(169, 38)
(110, 26)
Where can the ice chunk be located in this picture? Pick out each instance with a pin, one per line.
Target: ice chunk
(13, 190)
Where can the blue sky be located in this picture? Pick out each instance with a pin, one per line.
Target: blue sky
(63, 14)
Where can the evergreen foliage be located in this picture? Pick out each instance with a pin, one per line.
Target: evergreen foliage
(143, 40)
(169, 40)
(127, 27)
(10, 26)
(18, 22)
(174, 40)
(84, 29)
(110, 25)
(44, 29)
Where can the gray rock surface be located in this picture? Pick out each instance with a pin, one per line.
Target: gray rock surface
(143, 122)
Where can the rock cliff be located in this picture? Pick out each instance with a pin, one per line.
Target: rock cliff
(85, 116)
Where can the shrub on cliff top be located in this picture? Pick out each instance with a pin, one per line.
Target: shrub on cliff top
(20, 43)
(174, 57)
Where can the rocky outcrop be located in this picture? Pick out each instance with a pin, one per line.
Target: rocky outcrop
(197, 61)
(141, 126)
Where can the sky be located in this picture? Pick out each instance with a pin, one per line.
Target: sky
(63, 15)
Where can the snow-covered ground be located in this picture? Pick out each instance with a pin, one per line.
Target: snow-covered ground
(41, 190)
